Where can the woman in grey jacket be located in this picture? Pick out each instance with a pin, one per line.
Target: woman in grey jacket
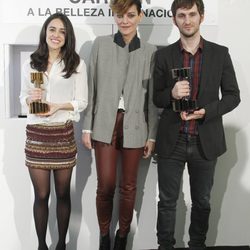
(120, 118)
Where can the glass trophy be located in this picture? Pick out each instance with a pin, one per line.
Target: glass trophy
(37, 106)
(184, 104)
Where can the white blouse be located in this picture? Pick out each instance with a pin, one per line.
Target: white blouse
(58, 89)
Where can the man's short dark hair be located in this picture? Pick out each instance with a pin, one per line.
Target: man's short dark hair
(187, 4)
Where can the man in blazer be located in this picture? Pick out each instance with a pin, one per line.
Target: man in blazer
(196, 138)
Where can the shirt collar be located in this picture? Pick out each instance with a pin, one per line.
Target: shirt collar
(133, 45)
(201, 45)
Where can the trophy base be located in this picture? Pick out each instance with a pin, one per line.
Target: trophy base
(38, 108)
(184, 105)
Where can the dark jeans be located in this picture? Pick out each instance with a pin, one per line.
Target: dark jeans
(201, 174)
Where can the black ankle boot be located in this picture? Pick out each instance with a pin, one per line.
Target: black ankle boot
(61, 246)
(120, 242)
(104, 242)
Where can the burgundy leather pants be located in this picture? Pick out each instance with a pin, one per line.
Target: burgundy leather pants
(106, 164)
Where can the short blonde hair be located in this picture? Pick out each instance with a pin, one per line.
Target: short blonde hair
(122, 6)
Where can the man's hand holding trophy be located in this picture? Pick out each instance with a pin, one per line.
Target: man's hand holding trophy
(182, 102)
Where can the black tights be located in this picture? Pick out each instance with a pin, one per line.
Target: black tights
(41, 182)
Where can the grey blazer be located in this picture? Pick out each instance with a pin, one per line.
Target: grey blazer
(113, 71)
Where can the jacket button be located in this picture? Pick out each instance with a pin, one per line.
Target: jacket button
(136, 127)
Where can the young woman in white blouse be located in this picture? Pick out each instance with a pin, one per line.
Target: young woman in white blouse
(50, 144)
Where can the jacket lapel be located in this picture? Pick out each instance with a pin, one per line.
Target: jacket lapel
(177, 57)
(206, 60)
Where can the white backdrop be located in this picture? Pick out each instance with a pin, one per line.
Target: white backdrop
(227, 24)
(88, 11)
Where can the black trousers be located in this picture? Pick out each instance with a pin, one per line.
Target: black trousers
(201, 173)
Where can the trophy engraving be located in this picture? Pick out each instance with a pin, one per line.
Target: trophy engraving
(37, 106)
(184, 104)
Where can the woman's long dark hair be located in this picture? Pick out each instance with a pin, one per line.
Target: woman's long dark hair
(39, 59)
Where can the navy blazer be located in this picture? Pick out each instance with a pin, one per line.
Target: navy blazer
(218, 94)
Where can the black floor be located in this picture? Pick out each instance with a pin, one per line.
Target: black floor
(223, 248)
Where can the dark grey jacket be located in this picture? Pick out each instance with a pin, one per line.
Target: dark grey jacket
(218, 94)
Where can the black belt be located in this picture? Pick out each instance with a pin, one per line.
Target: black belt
(120, 110)
(189, 137)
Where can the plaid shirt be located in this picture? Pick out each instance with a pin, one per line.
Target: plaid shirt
(194, 62)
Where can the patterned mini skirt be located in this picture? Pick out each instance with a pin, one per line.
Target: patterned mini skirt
(50, 146)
